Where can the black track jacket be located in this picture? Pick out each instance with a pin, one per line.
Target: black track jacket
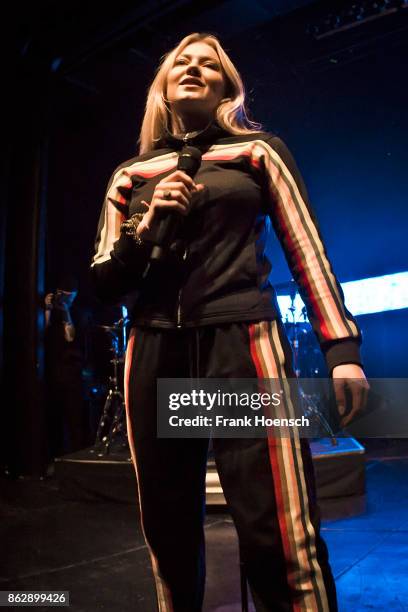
(220, 271)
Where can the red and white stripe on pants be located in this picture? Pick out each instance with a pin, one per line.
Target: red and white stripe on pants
(268, 482)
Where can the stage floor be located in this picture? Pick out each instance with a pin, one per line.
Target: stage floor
(95, 548)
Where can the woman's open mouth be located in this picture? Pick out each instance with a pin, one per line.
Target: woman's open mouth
(191, 81)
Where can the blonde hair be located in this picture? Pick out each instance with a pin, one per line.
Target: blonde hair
(230, 115)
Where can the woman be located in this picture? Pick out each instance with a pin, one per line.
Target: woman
(208, 310)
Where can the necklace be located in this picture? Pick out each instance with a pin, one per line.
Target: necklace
(190, 135)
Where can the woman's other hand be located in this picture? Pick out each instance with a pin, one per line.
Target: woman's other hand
(350, 377)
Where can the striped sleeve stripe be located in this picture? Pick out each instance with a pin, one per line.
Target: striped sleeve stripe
(151, 167)
(115, 203)
(232, 151)
(304, 574)
(146, 169)
(306, 245)
(109, 232)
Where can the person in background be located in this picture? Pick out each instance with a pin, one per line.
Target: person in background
(64, 362)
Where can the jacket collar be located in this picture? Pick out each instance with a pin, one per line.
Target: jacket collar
(202, 137)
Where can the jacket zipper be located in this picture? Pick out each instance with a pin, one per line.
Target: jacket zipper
(179, 310)
(179, 322)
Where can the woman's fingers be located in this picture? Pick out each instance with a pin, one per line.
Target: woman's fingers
(339, 391)
(357, 404)
(358, 392)
(177, 191)
(177, 194)
(174, 192)
(180, 176)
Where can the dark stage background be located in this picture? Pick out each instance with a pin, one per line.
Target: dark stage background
(77, 80)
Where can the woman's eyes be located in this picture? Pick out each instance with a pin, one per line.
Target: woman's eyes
(213, 65)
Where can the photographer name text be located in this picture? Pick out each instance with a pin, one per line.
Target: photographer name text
(245, 421)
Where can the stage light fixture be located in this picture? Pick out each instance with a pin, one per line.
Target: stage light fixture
(353, 15)
(365, 296)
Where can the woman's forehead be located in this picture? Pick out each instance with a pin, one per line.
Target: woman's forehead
(200, 49)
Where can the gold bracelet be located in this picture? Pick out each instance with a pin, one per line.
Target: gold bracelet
(129, 227)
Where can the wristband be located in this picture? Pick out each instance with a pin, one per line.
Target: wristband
(130, 226)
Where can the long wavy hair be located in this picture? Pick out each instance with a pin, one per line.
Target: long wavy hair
(231, 113)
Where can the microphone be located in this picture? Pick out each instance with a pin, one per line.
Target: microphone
(189, 162)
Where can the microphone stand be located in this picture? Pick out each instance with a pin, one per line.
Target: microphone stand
(309, 404)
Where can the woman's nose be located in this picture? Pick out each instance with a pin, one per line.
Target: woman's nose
(193, 69)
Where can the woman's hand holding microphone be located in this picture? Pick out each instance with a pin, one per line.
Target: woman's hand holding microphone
(173, 193)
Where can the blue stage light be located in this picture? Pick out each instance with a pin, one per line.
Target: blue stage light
(365, 296)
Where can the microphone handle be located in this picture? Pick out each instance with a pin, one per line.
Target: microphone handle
(167, 229)
(189, 161)
(157, 253)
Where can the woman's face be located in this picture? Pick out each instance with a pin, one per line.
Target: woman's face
(195, 83)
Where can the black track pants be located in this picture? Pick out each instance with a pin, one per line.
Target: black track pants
(268, 482)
